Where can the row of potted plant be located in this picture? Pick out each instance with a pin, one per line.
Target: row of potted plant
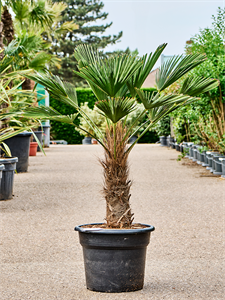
(212, 160)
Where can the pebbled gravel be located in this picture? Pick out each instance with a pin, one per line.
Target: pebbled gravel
(41, 257)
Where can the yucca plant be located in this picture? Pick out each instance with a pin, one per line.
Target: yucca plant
(116, 81)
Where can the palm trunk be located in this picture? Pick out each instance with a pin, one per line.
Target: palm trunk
(116, 182)
(28, 84)
(8, 29)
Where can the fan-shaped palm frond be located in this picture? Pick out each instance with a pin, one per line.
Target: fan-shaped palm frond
(116, 108)
(194, 86)
(154, 99)
(108, 75)
(61, 91)
(141, 74)
(175, 68)
(48, 113)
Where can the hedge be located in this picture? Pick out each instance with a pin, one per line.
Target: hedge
(62, 131)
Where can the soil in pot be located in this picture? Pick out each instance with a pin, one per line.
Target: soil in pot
(114, 259)
(33, 148)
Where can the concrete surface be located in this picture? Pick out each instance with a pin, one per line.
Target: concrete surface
(41, 257)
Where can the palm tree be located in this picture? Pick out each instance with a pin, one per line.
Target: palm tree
(33, 20)
(116, 82)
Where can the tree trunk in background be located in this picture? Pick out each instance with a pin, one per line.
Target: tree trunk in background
(28, 84)
(1, 41)
(8, 30)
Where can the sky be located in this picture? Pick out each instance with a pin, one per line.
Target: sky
(146, 24)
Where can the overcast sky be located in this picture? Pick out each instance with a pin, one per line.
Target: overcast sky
(148, 23)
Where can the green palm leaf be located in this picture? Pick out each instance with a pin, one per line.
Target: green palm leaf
(154, 99)
(48, 113)
(108, 75)
(194, 86)
(116, 108)
(61, 91)
(175, 68)
(148, 63)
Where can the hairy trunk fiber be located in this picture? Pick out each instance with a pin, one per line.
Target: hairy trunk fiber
(28, 84)
(8, 29)
(116, 182)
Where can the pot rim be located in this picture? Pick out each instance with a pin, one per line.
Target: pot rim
(113, 231)
(9, 160)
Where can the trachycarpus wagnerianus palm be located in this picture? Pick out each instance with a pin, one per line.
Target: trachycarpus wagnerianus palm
(116, 82)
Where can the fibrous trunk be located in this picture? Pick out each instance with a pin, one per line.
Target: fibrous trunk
(116, 182)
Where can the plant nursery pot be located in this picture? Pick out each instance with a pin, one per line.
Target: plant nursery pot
(163, 141)
(114, 259)
(169, 140)
(223, 166)
(172, 145)
(33, 148)
(177, 147)
(2, 167)
(218, 165)
(87, 140)
(133, 139)
(210, 161)
(6, 190)
(39, 135)
(19, 146)
(46, 133)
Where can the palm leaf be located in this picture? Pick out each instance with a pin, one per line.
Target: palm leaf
(175, 68)
(63, 92)
(48, 113)
(194, 86)
(154, 99)
(148, 63)
(116, 108)
(108, 75)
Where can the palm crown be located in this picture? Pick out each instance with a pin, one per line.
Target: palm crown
(116, 82)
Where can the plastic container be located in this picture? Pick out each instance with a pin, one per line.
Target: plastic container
(33, 148)
(6, 191)
(19, 146)
(114, 259)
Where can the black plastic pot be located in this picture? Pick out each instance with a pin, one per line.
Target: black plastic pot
(87, 140)
(39, 135)
(114, 259)
(2, 167)
(133, 139)
(210, 161)
(177, 147)
(163, 141)
(6, 191)
(223, 167)
(218, 165)
(169, 140)
(19, 146)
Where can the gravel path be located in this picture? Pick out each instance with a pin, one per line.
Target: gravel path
(41, 257)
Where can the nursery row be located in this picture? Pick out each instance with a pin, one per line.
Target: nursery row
(213, 161)
(21, 146)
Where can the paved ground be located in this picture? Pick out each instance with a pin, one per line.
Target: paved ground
(40, 253)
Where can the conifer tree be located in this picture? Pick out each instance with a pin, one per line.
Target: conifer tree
(84, 13)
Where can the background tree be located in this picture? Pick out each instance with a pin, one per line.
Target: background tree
(85, 13)
(205, 121)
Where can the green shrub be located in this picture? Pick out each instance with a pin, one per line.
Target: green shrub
(62, 131)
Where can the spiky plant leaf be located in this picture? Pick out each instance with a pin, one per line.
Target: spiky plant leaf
(48, 113)
(194, 86)
(61, 91)
(141, 74)
(176, 67)
(116, 108)
(154, 99)
(108, 75)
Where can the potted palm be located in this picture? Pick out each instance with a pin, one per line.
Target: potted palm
(114, 251)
